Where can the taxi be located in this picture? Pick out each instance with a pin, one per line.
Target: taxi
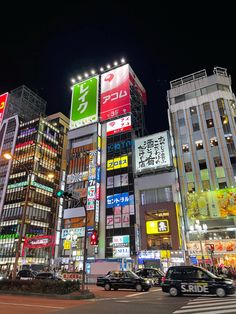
(195, 280)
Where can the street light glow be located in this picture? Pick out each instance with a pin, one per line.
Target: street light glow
(79, 77)
(8, 156)
(108, 66)
(115, 63)
(86, 74)
(101, 69)
(72, 80)
(92, 72)
(122, 60)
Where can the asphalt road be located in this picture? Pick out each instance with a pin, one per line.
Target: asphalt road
(119, 302)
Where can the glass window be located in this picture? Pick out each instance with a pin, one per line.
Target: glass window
(202, 164)
(179, 98)
(181, 122)
(156, 195)
(213, 141)
(210, 123)
(196, 127)
(188, 167)
(217, 161)
(199, 145)
(185, 148)
(193, 110)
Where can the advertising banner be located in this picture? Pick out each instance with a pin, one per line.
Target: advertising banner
(115, 93)
(211, 204)
(152, 152)
(84, 103)
(121, 246)
(119, 125)
(3, 102)
(116, 163)
(157, 226)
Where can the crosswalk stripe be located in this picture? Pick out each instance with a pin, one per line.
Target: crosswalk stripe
(203, 305)
(209, 309)
(215, 312)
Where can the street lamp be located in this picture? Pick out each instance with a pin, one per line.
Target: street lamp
(29, 173)
(200, 229)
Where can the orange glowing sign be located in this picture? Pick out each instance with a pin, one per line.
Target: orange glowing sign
(3, 101)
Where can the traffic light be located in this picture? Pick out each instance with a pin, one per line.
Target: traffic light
(94, 238)
(64, 194)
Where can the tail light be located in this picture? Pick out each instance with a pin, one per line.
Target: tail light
(163, 279)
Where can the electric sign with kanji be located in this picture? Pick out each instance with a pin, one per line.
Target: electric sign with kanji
(157, 226)
(84, 104)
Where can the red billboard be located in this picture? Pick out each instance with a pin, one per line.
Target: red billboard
(3, 101)
(115, 93)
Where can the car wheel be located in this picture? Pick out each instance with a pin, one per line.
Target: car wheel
(146, 289)
(220, 292)
(107, 287)
(139, 287)
(173, 292)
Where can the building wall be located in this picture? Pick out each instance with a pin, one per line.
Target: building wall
(202, 116)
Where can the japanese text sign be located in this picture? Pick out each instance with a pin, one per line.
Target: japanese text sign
(157, 226)
(152, 152)
(84, 104)
(115, 93)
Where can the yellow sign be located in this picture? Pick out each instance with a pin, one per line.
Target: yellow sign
(67, 244)
(165, 253)
(117, 163)
(157, 226)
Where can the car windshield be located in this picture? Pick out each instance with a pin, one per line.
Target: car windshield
(210, 274)
(132, 274)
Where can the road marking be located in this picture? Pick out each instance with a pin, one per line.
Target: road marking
(32, 305)
(209, 301)
(133, 295)
(191, 305)
(209, 309)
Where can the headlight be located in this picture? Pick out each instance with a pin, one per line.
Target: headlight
(1, 278)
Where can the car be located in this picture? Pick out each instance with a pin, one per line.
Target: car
(125, 279)
(26, 274)
(153, 274)
(195, 280)
(47, 276)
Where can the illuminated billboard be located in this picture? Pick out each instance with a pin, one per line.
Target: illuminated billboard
(116, 163)
(211, 204)
(84, 103)
(121, 246)
(3, 102)
(152, 152)
(157, 226)
(119, 125)
(115, 93)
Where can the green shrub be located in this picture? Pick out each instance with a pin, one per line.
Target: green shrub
(40, 286)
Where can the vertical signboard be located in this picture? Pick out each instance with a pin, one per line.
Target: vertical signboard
(3, 102)
(119, 125)
(84, 103)
(115, 93)
(152, 152)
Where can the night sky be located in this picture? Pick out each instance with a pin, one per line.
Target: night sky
(43, 47)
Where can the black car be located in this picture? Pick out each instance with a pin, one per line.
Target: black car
(26, 274)
(123, 280)
(153, 274)
(47, 276)
(195, 280)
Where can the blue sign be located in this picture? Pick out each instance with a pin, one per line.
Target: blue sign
(118, 200)
(110, 201)
(98, 175)
(118, 146)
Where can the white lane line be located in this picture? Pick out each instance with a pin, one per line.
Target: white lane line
(209, 309)
(212, 296)
(210, 304)
(133, 295)
(216, 312)
(211, 301)
(32, 305)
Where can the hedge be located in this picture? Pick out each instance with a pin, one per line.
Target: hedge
(40, 286)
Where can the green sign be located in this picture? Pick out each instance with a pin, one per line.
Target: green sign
(84, 104)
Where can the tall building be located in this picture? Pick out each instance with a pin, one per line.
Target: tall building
(25, 103)
(202, 116)
(106, 114)
(21, 104)
(159, 223)
(30, 198)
